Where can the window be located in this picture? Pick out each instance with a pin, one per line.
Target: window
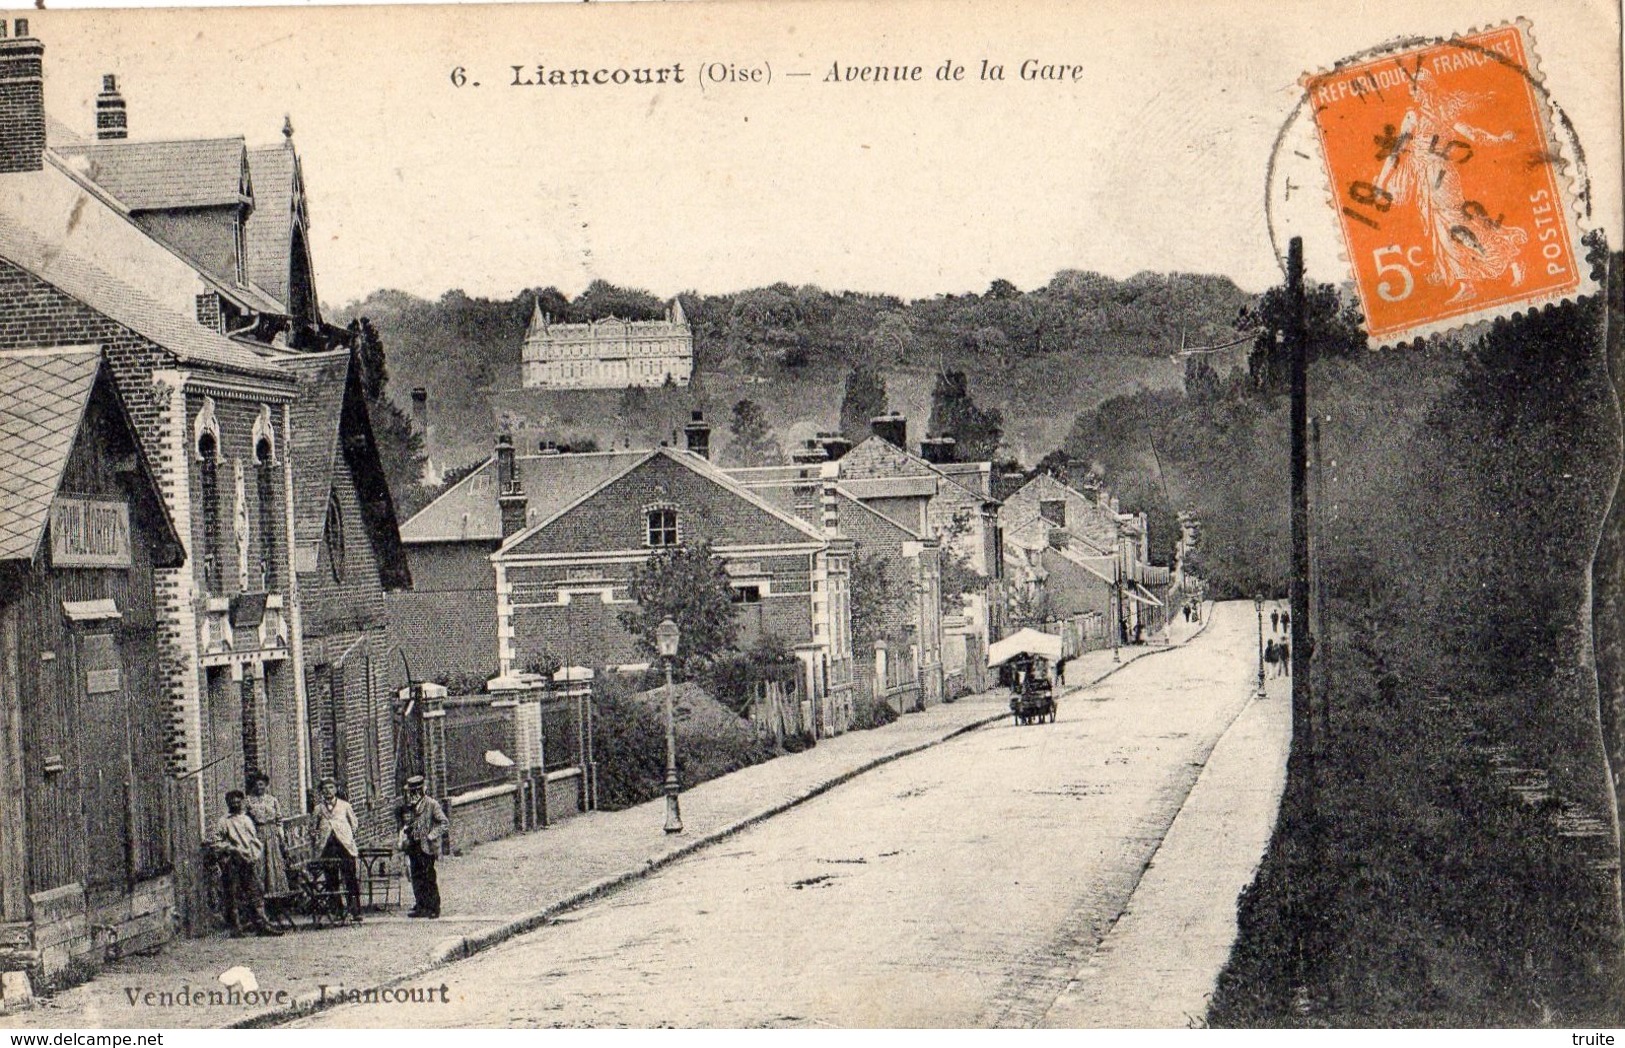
(208, 452)
(333, 536)
(747, 594)
(1054, 511)
(662, 530)
(266, 493)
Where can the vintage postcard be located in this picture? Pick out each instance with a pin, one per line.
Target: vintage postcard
(895, 514)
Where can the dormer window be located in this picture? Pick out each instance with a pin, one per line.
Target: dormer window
(661, 526)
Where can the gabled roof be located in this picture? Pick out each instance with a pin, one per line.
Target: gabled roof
(702, 467)
(43, 396)
(269, 232)
(52, 228)
(847, 502)
(912, 465)
(156, 176)
(468, 510)
(329, 420)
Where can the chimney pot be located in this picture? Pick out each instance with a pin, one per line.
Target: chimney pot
(22, 101)
(112, 118)
(892, 428)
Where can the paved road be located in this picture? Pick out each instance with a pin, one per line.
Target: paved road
(962, 886)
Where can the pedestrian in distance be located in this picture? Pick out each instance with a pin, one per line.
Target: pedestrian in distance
(1286, 622)
(1271, 655)
(1275, 620)
(1187, 610)
(332, 836)
(1286, 659)
(236, 846)
(423, 824)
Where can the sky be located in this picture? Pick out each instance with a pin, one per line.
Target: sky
(1151, 154)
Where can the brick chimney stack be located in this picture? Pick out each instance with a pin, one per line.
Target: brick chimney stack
(22, 99)
(892, 428)
(510, 490)
(698, 435)
(112, 121)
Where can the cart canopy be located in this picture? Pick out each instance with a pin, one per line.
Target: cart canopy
(1024, 642)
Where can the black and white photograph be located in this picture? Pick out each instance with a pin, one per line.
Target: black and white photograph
(823, 514)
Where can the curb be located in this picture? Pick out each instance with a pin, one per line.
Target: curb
(450, 950)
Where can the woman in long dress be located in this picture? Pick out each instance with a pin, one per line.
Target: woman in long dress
(263, 807)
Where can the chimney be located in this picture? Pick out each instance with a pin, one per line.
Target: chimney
(938, 450)
(22, 99)
(809, 453)
(420, 410)
(112, 122)
(510, 492)
(829, 517)
(698, 435)
(835, 445)
(547, 447)
(892, 428)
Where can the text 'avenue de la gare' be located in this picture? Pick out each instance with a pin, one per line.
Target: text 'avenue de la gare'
(982, 70)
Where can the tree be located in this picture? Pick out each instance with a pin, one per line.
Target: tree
(976, 432)
(878, 594)
(753, 441)
(688, 584)
(1332, 329)
(1028, 605)
(865, 398)
(400, 446)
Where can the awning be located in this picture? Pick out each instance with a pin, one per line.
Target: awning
(1024, 642)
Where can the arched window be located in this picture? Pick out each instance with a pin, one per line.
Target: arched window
(333, 536)
(208, 453)
(265, 491)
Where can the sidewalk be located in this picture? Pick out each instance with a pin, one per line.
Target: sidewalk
(1157, 966)
(511, 886)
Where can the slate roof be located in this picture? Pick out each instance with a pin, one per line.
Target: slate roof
(42, 399)
(269, 231)
(329, 421)
(59, 233)
(322, 378)
(468, 511)
(148, 176)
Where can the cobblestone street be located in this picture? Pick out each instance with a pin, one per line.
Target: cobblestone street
(966, 885)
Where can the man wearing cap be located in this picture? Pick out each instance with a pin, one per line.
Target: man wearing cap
(236, 846)
(333, 828)
(423, 823)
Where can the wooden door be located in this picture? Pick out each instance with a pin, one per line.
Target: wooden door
(13, 820)
(224, 756)
(103, 725)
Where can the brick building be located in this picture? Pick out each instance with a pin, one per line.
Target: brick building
(347, 554)
(151, 252)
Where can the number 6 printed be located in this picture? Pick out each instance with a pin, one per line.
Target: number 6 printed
(1385, 290)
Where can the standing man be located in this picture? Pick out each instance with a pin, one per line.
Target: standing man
(333, 828)
(423, 824)
(236, 845)
(1275, 619)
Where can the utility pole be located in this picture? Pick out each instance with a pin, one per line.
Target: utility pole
(1303, 740)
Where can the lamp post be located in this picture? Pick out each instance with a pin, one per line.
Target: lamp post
(1258, 606)
(1117, 605)
(666, 638)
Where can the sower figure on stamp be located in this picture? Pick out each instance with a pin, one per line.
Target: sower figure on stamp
(333, 829)
(423, 824)
(236, 846)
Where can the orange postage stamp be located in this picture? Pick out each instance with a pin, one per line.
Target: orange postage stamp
(1449, 184)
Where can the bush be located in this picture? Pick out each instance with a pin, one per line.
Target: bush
(629, 740)
(870, 712)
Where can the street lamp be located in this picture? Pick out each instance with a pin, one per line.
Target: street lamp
(1258, 606)
(666, 637)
